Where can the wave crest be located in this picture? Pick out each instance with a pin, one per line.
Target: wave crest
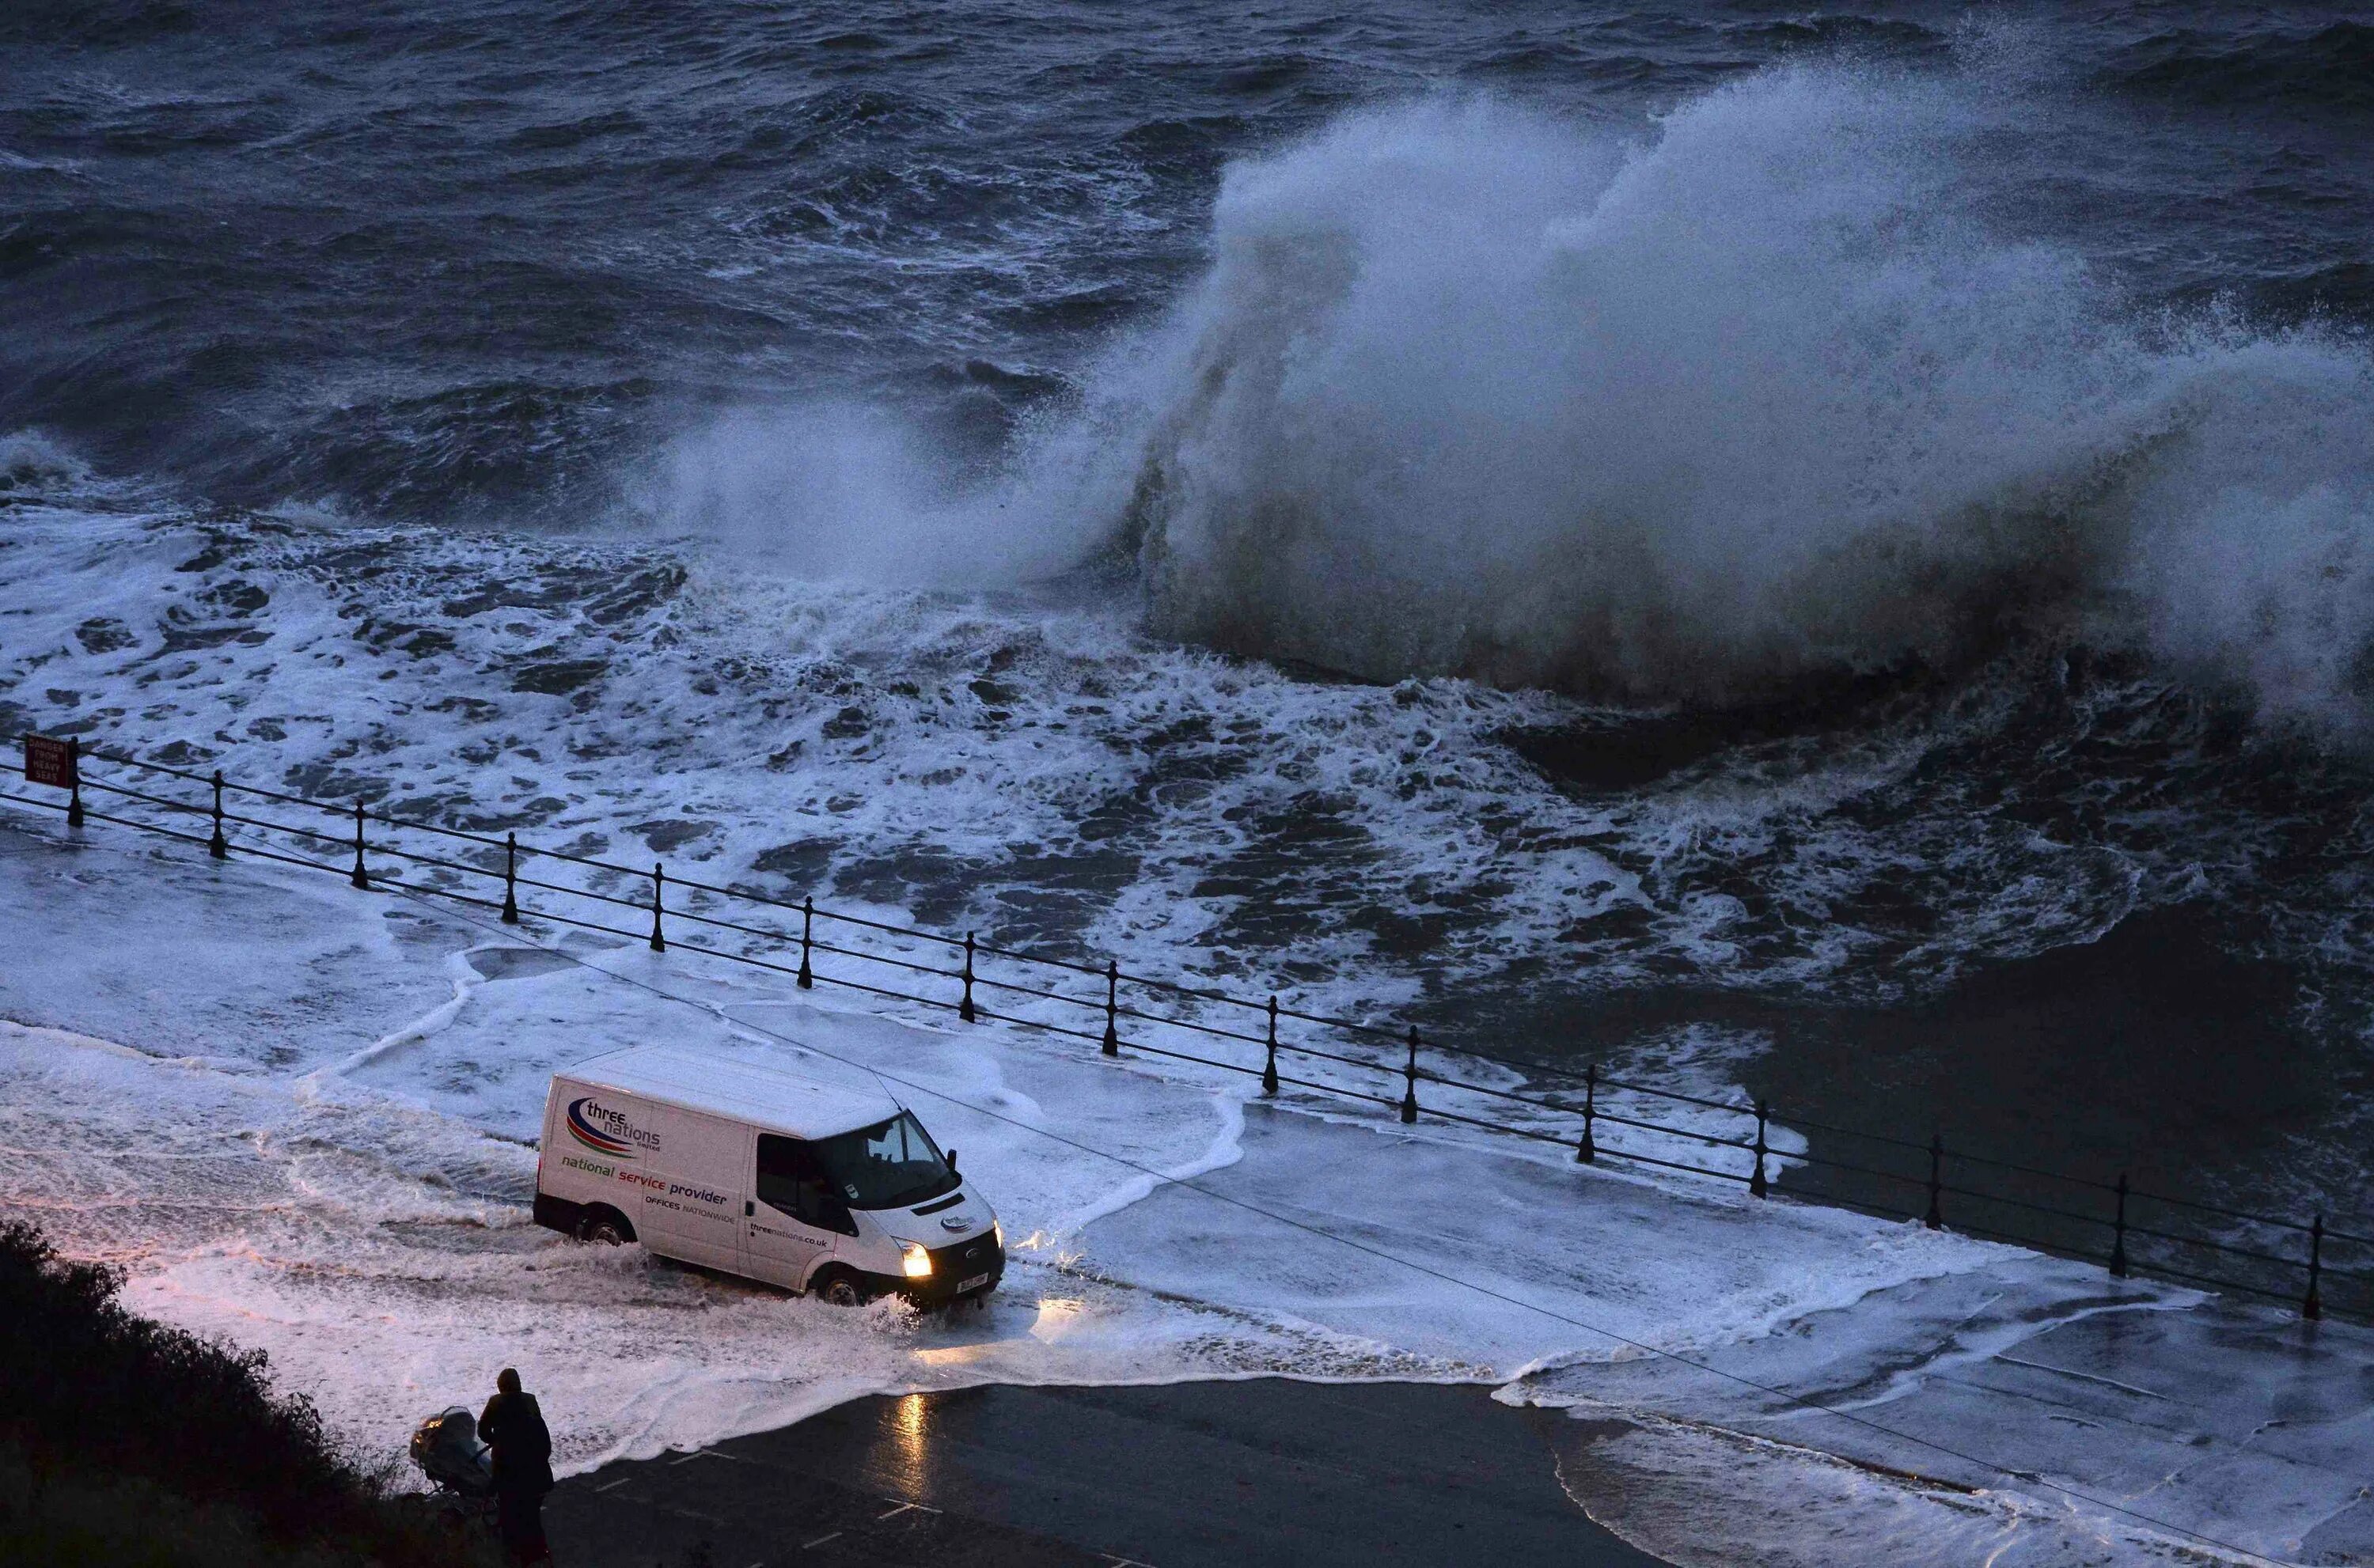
(1469, 390)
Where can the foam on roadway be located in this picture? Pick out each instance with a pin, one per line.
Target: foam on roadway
(303, 1118)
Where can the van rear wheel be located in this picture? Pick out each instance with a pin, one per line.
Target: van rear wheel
(602, 1230)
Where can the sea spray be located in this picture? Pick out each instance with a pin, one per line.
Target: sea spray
(1471, 391)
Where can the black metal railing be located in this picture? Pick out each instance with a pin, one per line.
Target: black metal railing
(1596, 1116)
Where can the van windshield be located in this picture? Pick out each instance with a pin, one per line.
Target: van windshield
(886, 1166)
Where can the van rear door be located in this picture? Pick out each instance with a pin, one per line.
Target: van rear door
(795, 1221)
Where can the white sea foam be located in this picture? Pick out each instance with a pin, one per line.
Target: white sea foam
(33, 465)
(883, 747)
(288, 1190)
(357, 1210)
(836, 490)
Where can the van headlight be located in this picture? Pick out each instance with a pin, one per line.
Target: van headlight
(997, 1229)
(918, 1262)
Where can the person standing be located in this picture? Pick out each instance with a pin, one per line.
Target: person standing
(513, 1427)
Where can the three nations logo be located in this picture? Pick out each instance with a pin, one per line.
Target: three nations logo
(592, 1137)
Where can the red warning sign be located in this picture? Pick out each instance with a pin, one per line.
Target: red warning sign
(50, 762)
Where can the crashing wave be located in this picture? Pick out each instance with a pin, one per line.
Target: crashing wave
(1469, 390)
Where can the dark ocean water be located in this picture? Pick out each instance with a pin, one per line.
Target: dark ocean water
(452, 259)
(1825, 550)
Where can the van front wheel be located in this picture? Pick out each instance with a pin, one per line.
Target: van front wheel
(839, 1289)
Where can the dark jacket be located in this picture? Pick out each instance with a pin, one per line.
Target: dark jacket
(515, 1429)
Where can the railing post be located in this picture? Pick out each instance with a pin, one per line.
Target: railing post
(1936, 1218)
(1586, 1152)
(1269, 1068)
(2119, 1233)
(360, 877)
(964, 1009)
(74, 782)
(218, 846)
(1757, 1186)
(659, 881)
(2313, 1307)
(1113, 1007)
(807, 937)
(511, 879)
(1409, 1080)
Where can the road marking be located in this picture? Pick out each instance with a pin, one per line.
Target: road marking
(899, 1508)
(812, 1545)
(613, 1485)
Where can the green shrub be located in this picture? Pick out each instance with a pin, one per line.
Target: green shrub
(124, 1441)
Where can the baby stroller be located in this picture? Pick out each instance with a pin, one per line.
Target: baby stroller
(447, 1449)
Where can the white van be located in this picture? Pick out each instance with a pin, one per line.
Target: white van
(765, 1174)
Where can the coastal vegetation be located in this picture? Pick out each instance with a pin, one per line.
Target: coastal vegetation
(124, 1442)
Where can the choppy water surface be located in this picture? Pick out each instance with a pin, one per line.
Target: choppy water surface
(1827, 551)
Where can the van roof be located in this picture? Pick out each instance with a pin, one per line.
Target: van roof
(729, 1086)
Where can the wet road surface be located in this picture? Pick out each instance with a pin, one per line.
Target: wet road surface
(1196, 1474)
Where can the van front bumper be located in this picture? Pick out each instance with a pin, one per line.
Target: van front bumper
(977, 1262)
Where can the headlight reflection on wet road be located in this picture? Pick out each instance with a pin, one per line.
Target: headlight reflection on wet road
(908, 1422)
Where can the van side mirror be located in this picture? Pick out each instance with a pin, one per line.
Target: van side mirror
(952, 1161)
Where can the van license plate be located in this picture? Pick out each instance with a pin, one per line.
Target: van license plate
(972, 1285)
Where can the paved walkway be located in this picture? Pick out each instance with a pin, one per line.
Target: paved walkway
(1197, 1475)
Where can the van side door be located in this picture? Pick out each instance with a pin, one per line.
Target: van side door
(795, 1219)
(687, 1169)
